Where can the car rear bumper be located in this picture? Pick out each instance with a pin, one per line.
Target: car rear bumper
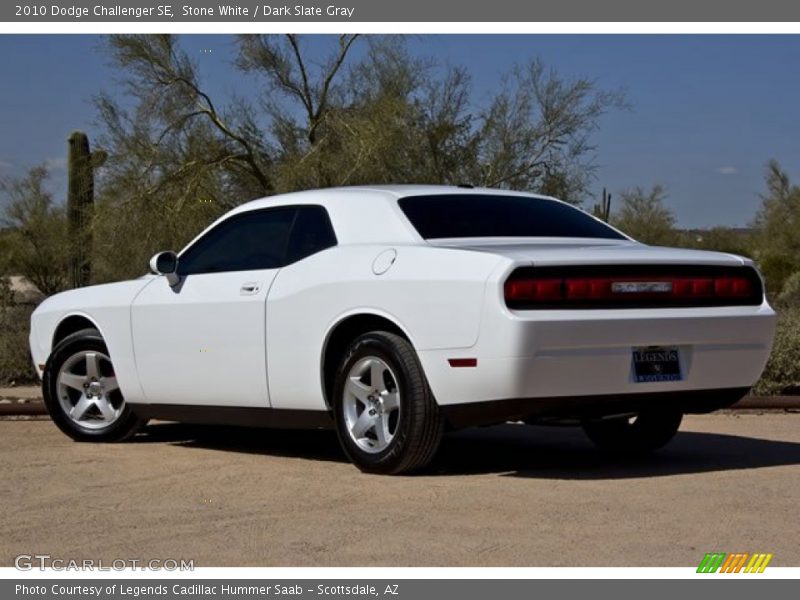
(564, 356)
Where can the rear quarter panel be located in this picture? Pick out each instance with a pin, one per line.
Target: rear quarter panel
(434, 295)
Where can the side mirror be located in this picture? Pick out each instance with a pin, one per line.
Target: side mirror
(166, 263)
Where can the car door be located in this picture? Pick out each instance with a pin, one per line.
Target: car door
(203, 340)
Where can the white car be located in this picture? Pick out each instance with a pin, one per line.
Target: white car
(393, 313)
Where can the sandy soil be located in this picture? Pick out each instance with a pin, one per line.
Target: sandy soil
(505, 496)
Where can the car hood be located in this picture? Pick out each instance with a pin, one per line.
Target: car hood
(582, 251)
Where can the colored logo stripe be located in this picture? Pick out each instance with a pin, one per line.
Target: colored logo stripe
(734, 563)
(758, 563)
(711, 562)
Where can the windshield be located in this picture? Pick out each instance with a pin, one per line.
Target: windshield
(490, 215)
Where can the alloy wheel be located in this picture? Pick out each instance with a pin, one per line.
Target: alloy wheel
(87, 389)
(371, 404)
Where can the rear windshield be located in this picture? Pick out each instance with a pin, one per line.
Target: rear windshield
(476, 215)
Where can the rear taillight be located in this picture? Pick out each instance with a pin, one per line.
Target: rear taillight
(732, 287)
(631, 287)
(540, 290)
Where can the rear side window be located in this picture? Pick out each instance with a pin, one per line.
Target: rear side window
(246, 242)
(312, 233)
(477, 215)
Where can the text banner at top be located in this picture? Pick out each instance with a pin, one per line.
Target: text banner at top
(463, 11)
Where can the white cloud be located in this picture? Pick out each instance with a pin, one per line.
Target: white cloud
(727, 170)
(58, 163)
(5, 165)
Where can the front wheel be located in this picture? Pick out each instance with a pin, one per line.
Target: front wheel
(642, 433)
(81, 392)
(386, 417)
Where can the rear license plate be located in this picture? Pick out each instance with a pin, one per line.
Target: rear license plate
(656, 363)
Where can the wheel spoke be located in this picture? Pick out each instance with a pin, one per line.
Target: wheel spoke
(358, 389)
(376, 375)
(105, 408)
(79, 410)
(363, 424)
(109, 384)
(92, 366)
(382, 430)
(72, 380)
(391, 401)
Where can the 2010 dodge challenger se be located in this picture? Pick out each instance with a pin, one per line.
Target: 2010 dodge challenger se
(393, 313)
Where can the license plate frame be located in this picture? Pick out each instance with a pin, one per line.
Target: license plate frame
(656, 364)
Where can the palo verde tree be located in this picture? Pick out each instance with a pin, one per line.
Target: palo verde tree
(176, 159)
(347, 110)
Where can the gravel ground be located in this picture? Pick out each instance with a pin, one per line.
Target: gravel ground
(511, 495)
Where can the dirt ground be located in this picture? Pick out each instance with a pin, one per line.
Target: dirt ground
(511, 495)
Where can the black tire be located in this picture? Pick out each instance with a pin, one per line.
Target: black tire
(125, 425)
(418, 429)
(645, 433)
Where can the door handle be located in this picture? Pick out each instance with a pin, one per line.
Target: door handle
(249, 289)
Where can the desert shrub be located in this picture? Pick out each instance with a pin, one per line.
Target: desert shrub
(789, 297)
(782, 373)
(15, 360)
(776, 235)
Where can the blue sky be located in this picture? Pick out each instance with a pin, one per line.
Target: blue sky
(707, 111)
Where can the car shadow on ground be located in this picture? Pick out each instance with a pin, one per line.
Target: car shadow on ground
(292, 443)
(565, 453)
(510, 450)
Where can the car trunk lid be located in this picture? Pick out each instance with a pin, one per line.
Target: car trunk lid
(582, 251)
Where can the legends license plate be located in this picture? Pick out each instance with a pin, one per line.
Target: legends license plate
(656, 363)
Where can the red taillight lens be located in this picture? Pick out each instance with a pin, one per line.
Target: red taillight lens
(732, 287)
(534, 290)
(693, 287)
(586, 287)
(634, 287)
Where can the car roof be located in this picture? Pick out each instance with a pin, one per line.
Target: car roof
(368, 214)
(388, 192)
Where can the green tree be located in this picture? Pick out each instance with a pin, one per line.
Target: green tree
(535, 133)
(777, 228)
(36, 236)
(178, 157)
(644, 216)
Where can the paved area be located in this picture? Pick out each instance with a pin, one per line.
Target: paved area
(511, 495)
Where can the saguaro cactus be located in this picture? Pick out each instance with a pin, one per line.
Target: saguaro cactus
(80, 205)
(603, 209)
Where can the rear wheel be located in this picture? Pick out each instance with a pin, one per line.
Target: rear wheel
(81, 392)
(387, 419)
(642, 433)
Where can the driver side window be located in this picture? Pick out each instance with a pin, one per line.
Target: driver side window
(249, 241)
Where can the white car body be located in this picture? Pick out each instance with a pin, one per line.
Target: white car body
(231, 346)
